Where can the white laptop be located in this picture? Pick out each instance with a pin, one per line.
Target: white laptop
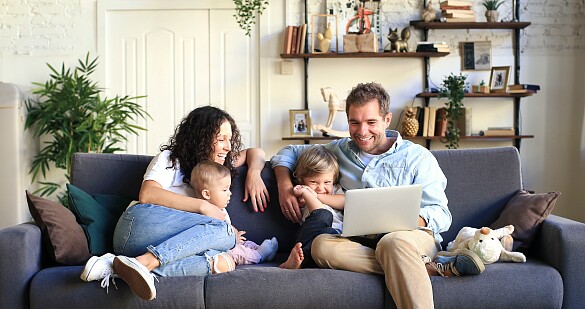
(381, 210)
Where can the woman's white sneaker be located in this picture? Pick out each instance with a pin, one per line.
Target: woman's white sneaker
(136, 275)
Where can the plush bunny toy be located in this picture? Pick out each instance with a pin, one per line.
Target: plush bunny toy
(490, 245)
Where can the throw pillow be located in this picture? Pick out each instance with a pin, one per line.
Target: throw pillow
(98, 216)
(62, 237)
(526, 212)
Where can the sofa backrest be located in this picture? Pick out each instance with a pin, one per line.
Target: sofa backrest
(480, 182)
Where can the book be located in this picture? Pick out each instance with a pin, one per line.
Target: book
(458, 15)
(432, 120)
(427, 45)
(458, 11)
(437, 43)
(433, 49)
(467, 115)
(420, 118)
(522, 91)
(456, 7)
(303, 38)
(425, 123)
(459, 20)
(287, 40)
(524, 86)
(293, 45)
(499, 132)
(455, 3)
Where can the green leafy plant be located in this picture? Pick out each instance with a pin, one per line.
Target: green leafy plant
(72, 116)
(246, 13)
(453, 88)
(492, 5)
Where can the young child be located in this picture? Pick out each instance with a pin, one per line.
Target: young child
(211, 181)
(317, 173)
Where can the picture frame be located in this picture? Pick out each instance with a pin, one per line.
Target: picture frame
(476, 55)
(499, 79)
(300, 123)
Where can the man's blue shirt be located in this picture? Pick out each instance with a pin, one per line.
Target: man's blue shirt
(404, 163)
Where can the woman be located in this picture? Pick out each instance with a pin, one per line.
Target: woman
(186, 236)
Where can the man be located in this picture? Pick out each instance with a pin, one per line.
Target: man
(376, 157)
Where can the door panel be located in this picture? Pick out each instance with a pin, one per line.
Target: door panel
(181, 59)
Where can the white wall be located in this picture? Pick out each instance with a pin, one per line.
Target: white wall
(33, 32)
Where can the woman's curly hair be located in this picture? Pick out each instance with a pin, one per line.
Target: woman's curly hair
(195, 137)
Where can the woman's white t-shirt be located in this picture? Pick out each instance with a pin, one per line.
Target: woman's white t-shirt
(170, 178)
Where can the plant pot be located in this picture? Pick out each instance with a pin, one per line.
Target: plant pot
(492, 16)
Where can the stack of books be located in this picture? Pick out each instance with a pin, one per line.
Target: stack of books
(457, 11)
(294, 39)
(523, 88)
(433, 47)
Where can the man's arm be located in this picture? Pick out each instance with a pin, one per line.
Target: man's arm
(283, 163)
(434, 212)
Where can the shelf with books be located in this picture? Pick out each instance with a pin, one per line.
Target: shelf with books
(479, 95)
(364, 55)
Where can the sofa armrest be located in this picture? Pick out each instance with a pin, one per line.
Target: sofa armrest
(20, 259)
(560, 242)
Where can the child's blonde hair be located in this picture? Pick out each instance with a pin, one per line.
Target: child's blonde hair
(205, 173)
(317, 160)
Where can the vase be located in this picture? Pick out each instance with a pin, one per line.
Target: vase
(492, 16)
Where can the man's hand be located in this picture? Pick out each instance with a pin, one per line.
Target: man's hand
(289, 204)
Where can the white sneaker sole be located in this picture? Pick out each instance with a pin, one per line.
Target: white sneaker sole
(128, 271)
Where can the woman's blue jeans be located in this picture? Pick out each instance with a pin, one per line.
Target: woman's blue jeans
(184, 242)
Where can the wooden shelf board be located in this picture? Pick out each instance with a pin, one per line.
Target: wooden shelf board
(480, 95)
(472, 137)
(469, 25)
(364, 55)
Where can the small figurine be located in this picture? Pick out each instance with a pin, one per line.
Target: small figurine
(398, 45)
(325, 39)
(429, 14)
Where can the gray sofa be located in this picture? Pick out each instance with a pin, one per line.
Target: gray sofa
(480, 183)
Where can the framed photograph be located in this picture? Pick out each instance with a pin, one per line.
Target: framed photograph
(499, 79)
(476, 55)
(300, 122)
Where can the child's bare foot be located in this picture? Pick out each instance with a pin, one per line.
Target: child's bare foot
(295, 259)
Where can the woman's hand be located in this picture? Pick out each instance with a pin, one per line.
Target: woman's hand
(210, 210)
(256, 191)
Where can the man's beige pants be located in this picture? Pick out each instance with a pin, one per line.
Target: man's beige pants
(397, 256)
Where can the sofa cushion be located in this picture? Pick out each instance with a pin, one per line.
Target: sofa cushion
(526, 212)
(62, 237)
(98, 215)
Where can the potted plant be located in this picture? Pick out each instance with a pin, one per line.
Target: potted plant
(246, 12)
(72, 116)
(453, 88)
(492, 6)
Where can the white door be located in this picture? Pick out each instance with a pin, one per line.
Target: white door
(180, 58)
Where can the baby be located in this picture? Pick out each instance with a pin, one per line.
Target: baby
(211, 182)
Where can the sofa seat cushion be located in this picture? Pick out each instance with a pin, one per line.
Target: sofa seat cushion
(533, 284)
(56, 286)
(272, 287)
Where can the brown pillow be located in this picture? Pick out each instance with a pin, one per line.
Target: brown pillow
(526, 212)
(62, 236)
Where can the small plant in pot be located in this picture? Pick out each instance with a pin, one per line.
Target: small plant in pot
(69, 115)
(453, 88)
(492, 6)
